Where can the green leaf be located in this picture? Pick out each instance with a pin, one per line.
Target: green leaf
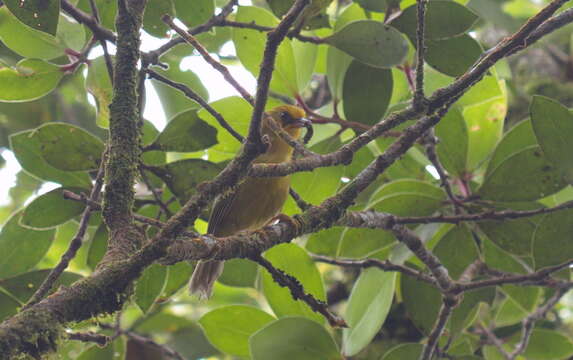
(509, 313)
(548, 345)
(325, 242)
(107, 10)
(149, 286)
(360, 243)
(484, 109)
(27, 150)
(424, 313)
(404, 351)
(239, 272)
(51, 209)
(194, 13)
(8, 306)
(517, 138)
(513, 235)
(337, 61)
(250, 46)
(97, 353)
(457, 250)
(371, 42)
(97, 247)
(525, 175)
(361, 84)
(368, 307)
(296, 262)
(373, 5)
(237, 112)
(22, 248)
(69, 148)
(408, 197)
(229, 328)
(444, 19)
(293, 338)
(30, 79)
(553, 239)
(186, 133)
(553, 126)
(39, 15)
(183, 176)
(23, 286)
(452, 147)
(305, 55)
(31, 43)
(453, 56)
(178, 275)
(152, 22)
(98, 83)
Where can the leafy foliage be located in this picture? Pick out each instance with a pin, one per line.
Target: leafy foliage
(505, 145)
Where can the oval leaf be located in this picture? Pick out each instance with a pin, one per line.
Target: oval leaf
(371, 42)
(251, 44)
(361, 83)
(457, 250)
(28, 150)
(368, 307)
(186, 133)
(31, 43)
(293, 338)
(149, 286)
(51, 209)
(452, 148)
(294, 261)
(23, 286)
(69, 148)
(553, 126)
(228, 328)
(99, 85)
(553, 239)
(444, 19)
(39, 15)
(453, 56)
(526, 175)
(22, 248)
(29, 80)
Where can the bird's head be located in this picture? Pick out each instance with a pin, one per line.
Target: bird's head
(291, 119)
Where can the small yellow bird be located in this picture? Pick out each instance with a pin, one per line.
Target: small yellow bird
(257, 200)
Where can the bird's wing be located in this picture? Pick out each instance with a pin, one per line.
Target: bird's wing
(220, 210)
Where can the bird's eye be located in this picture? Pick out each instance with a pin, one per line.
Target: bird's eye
(285, 117)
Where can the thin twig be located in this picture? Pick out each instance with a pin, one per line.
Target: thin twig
(139, 218)
(297, 291)
(100, 340)
(448, 305)
(385, 265)
(156, 195)
(430, 145)
(222, 69)
(102, 41)
(302, 205)
(76, 242)
(530, 320)
(495, 341)
(373, 219)
(195, 97)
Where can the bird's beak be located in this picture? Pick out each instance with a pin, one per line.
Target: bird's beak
(302, 122)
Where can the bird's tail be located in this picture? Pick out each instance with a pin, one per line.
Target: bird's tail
(204, 277)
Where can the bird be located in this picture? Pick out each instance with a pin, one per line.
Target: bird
(257, 200)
